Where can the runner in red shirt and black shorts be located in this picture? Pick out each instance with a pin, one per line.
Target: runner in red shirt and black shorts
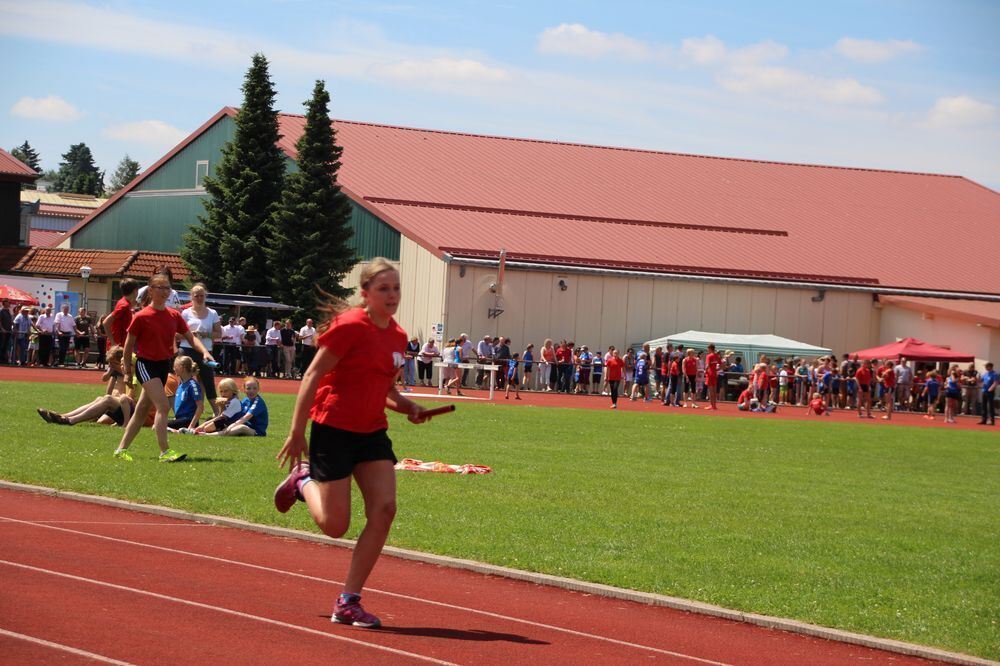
(117, 321)
(151, 336)
(345, 391)
(712, 364)
(863, 377)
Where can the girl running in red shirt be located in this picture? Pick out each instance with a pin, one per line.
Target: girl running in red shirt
(345, 392)
(151, 336)
(614, 370)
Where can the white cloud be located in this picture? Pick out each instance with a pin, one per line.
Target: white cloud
(710, 50)
(753, 79)
(153, 132)
(867, 50)
(441, 70)
(960, 111)
(52, 108)
(579, 40)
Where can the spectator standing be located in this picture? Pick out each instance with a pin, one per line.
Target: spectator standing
(931, 389)
(615, 370)
(82, 327)
(425, 362)
(307, 336)
(864, 378)
(970, 396)
(904, 383)
(989, 389)
(6, 332)
(564, 367)
(528, 357)
(597, 374)
(22, 327)
(468, 353)
(251, 341)
(410, 369)
(484, 356)
(204, 324)
(713, 362)
(46, 328)
(584, 363)
(502, 356)
(288, 349)
(64, 328)
(547, 366)
(952, 394)
(690, 367)
(232, 338)
(888, 379)
(272, 342)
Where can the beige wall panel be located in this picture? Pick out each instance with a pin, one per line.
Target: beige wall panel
(786, 313)
(665, 296)
(810, 319)
(614, 311)
(511, 323)
(762, 309)
(422, 283)
(738, 302)
(589, 299)
(562, 311)
(956, 334)
(837, 305)
(639, 318)
(482, 301)
(859, 323)
(458, 309)
(689, 300)
(714, 306)
(537, 300)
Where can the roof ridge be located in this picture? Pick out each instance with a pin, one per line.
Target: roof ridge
(647, 151)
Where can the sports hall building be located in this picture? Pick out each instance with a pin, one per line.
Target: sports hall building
(609, 245)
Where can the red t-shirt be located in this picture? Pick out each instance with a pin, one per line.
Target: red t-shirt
(352, 395)
(122, 318)
(675, 368)
(155, 331)
(863, 376)
(712, 363)
(817, 405)
(745, 397)
(614, 369)
(563, 355)
(690, 365)
(888, 377)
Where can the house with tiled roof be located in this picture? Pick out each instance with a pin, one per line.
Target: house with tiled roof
(52, 214)
(603, 245)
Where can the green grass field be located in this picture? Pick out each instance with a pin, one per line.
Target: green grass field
(889, 531)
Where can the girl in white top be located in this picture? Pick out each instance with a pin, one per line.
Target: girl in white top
(229, 406)
(205, 324)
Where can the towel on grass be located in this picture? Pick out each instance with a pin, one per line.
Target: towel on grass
(414, 465)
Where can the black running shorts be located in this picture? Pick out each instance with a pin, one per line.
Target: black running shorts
(147, 370)
(333, 453)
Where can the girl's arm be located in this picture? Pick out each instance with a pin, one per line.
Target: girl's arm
(399, 403)
(199, 408)
(112, 382)
(127, 358)
(295, 444)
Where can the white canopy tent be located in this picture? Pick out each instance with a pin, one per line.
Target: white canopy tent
(749, 347)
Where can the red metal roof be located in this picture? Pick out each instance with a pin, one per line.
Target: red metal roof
(600, 206)
(13, 169)
(62, 262)
(978, 312)
(52, 210)
(45, 237)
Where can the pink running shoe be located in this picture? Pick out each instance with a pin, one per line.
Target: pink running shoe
(287, 492)
(349, 611)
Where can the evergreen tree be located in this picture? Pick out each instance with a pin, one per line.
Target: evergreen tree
(29, 156)
(124, 174)
(78, 173)
(227, 249)
(311, 229)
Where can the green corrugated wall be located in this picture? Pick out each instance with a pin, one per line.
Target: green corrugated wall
(160, 210)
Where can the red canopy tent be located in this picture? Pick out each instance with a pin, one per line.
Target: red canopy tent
(17, 296)
(913, 350)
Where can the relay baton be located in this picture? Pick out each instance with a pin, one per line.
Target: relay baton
(437, 411)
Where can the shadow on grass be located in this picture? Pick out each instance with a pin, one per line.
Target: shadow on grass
(458, 634)
(204, 459)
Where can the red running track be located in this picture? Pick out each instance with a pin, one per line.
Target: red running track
(281, 386)
(125, 586)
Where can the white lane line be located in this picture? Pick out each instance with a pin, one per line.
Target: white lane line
(443, 396)
(397, 595)
(64, 648)
(226, 611)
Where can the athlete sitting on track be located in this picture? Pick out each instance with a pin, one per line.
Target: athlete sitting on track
(345, 391)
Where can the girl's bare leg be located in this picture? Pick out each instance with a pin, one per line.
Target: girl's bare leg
(377, 481)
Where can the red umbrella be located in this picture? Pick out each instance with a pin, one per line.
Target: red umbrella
(914, 350)
(17, 296)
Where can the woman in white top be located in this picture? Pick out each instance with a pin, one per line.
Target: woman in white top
(205, 325)
(425, 362)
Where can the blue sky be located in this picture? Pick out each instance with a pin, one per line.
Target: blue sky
(897, 84)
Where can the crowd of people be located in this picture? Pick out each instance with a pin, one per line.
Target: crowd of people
(687, 377)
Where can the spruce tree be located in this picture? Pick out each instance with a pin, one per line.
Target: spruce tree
(227, 249)
(78, 173)
(125, 173)
(312, 227)
(29, 156)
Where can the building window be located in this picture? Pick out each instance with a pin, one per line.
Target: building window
(200, 171)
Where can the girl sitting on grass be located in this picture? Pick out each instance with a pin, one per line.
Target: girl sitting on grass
(229, 406)
(189, 400)
(253, 419)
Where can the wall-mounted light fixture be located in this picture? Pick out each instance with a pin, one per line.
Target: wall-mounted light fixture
(493, 287)
(563, 286)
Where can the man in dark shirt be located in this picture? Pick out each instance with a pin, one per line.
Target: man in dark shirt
(288, 349)
(502, 356)
(6, 329)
